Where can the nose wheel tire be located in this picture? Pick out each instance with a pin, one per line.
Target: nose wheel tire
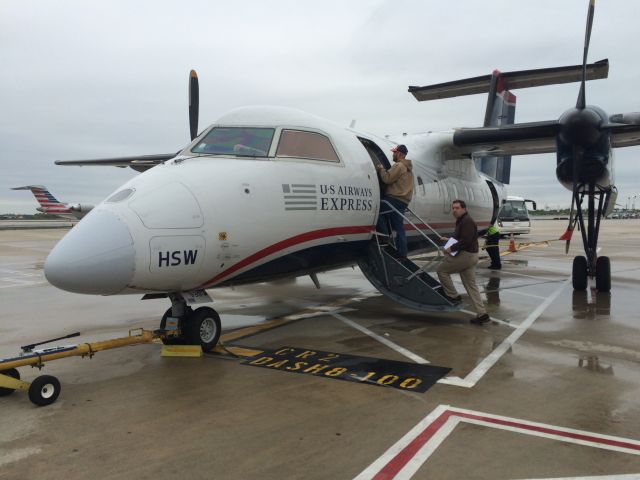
(579, 273)
(44, 390)
(603, 274)
(203, 328)
(13, 373)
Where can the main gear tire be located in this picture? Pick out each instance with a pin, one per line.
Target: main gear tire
(580, 273)
(603, 274)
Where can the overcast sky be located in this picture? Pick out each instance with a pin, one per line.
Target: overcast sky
(85, 79)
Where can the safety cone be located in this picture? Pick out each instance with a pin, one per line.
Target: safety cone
(512, 244)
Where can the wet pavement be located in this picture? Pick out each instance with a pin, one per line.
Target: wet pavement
(548, 389)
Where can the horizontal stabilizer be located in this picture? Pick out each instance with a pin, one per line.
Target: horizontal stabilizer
(512, 80)
(139, 163)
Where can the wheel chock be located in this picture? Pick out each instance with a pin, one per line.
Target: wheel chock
(181, 351)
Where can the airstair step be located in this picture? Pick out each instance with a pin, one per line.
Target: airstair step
(403, 281)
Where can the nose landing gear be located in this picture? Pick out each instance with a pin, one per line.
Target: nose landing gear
(192, 327)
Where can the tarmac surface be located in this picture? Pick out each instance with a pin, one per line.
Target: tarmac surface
(548, 389)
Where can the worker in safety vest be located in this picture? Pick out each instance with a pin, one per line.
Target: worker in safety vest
(492, 238)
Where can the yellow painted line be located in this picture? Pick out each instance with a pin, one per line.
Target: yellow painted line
(237, 351)
(276, 322)
(270, 324)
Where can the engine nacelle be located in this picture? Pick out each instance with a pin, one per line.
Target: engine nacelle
(81, 207)
(581, 130)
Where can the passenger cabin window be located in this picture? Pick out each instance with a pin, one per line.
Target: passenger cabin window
(238, 141)
(301, 144)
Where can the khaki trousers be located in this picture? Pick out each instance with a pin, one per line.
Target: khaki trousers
(463, 263)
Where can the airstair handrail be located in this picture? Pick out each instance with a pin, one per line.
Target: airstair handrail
(438, 247)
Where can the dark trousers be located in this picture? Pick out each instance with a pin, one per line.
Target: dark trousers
(494, 252)
(397, 222)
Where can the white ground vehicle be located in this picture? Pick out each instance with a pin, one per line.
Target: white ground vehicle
(514, 216)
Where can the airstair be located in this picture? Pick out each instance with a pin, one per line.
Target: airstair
(401, 279)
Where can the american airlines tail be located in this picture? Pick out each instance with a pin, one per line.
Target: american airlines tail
(50, 204)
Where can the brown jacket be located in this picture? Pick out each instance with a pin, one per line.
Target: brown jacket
(467, 235)
(399, 180)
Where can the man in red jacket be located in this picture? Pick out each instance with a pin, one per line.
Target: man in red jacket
(462, 258)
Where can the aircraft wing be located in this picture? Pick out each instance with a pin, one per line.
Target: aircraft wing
(139, 163)
(515, 139)
(530, 138)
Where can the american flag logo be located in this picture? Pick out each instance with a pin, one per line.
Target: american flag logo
(299, 196)
(48, 201)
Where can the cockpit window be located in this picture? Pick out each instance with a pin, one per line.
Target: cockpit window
(239, 141)
(300, 144)
(120, 196)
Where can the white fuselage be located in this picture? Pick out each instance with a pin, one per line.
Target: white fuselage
(201, 221)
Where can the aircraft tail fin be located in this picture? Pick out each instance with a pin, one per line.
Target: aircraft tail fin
(501, 104)
(44, 197)
(501, 110)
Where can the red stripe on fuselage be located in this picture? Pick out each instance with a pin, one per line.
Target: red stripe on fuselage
(289, 242)
(307, 237)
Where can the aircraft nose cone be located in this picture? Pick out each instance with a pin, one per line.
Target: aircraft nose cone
(96, 257)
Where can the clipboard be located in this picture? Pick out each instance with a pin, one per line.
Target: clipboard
(451, 241)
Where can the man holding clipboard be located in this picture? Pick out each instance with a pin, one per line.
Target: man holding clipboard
(461, 256)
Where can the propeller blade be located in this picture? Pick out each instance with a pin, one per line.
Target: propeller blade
(582, 101)
(194, 102)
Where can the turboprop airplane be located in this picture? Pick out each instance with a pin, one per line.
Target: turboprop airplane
(51, 206)
(271, 192)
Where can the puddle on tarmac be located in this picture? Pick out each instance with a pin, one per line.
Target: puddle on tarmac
(231, 322)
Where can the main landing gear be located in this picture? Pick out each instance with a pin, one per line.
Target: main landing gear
(192, 327)
(591, 265)
(580, 273)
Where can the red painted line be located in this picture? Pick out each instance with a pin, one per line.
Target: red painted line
(289, 242)
(397, 463)
(553, 431)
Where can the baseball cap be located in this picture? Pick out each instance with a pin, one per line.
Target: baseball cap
(401, 149)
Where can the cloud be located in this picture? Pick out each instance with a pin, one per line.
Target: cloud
(86, 80)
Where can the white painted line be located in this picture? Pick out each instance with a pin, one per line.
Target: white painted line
(403, 459)
(428, 449)
(491, 359)
(388, 343)
(401, 444)
(517, 292)
(492, 318)
(537, 277)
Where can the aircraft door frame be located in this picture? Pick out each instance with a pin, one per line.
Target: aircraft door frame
(377, 157)
(496, 201)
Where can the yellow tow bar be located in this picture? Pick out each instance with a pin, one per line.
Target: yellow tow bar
(44, 390)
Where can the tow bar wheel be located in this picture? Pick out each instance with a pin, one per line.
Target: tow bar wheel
(44, 390)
